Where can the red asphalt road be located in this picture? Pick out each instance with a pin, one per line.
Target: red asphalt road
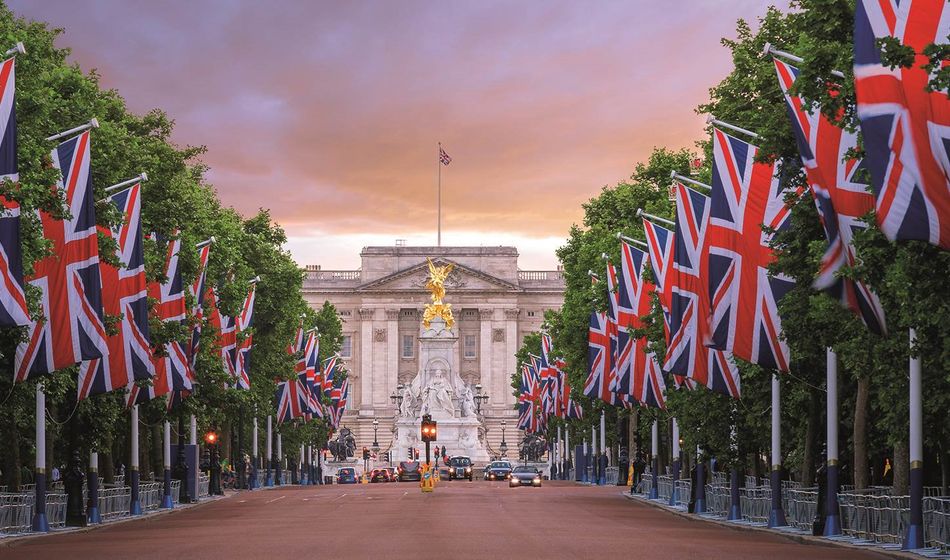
(460, 520)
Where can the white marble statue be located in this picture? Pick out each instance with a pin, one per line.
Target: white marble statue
(468, 401)
(438, 396)
(408, 402)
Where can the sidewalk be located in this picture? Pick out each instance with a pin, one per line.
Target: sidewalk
(792, 533)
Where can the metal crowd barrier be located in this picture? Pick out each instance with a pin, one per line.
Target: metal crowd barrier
(801, 506)
(683, 492)
(150, 495)
(645, 484)
(664, 486)
(203, 482)
(756, 503)
(114, 501)
(16, 512)
(874, 518)
(613, 473)
(718, 496)
(937, 523)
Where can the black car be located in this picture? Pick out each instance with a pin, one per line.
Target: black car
(460, 467)
(524, 475)
(498, 470)
(409, 471)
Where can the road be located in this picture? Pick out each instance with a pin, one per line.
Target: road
(460, 520)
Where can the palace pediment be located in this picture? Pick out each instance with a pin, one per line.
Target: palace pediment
(461, 279)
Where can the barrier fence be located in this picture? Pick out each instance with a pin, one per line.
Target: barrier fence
(871, 515)
(115, 500)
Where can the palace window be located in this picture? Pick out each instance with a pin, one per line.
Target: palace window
(408, 346)
(530, 313)
(470, 346)
(346, 347)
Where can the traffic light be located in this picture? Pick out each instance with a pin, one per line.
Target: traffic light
(429, 432)
(365, 453)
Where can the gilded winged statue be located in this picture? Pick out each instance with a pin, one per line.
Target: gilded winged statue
(436, 284)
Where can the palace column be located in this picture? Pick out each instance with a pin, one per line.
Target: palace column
(511, 361)
(484, 352)
(387, 384)
(366, 357)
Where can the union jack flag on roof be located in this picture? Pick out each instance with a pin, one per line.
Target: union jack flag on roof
(687, 354)
(840, 199)
(125, 294)
(746, 195)
(13, 308)
(906, 128)
(69, 279)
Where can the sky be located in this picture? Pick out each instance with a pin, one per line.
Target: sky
(330, 112)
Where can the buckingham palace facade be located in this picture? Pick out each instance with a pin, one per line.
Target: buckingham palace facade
(495, 305)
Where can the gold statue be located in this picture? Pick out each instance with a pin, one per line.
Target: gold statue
(436, 284)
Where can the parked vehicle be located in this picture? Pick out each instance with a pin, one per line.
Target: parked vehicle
(498, 470)
(525, 476)
(460, 467)
(393, 474)
(347, 475)
(410, 471)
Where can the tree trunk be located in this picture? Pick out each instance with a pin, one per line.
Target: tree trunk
(901, 466)
(811, 432)
(11, 464)
(860, 438)
(158, 449)
(106, 463)
(944, 473)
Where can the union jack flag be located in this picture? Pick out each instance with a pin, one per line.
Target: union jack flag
(125, 294)
(242, 362)
(329, 374)
(13, 308)
(444, 158)
(198, 292)
(173, 375)
(620, 292)
(71, 328)
(660, 245)
(528, 399)
(338, 396)
(309, 376)
(567, 407)
(686, 353)
(840, 199)
(597, 385)
(226, 339)
(906, 128)
(746, 195)
(292, 401)
(646, 383)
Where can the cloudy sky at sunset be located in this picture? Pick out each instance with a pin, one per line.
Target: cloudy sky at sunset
(329, 113)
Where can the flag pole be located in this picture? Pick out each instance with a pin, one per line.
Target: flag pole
(438, 163)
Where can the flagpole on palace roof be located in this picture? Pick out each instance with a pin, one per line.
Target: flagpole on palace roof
(438, 163)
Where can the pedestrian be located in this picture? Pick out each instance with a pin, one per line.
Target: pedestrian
(55, 474)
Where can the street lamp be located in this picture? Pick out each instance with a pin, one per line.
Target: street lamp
(504, 445)
(396, 397)
(214, 464)
(480, 398)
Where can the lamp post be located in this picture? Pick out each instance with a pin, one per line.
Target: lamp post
(181, 465)
(214, 464)
(396, 397)
(504, 445)
(480, 398)
(375, 447)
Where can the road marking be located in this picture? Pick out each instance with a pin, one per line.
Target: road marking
(340, 496)
(242, 501)
(275, 499)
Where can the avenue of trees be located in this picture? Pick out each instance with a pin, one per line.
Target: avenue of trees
(910, 278)
(52, 95)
